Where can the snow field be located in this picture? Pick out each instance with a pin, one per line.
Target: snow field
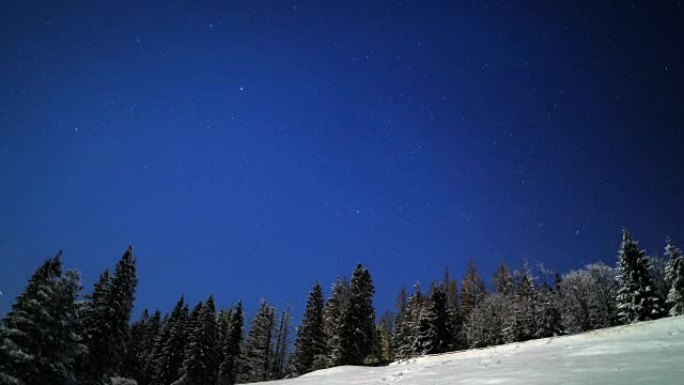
(643, 353)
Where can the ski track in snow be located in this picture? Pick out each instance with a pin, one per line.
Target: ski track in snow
(643, 353)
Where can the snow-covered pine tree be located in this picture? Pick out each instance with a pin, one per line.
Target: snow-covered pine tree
(473, 289)
(259, 346)
(134, 360)
(485, 324)
(661, 288)
(95, 321)
(124, 283)
(151, 337)
(106, 318)
(310, 340)
(332, 313)
(143, 336)
(201, 363)
(548, 313)
(20, 331)
(636, 298)
(408, 329)
(224, 319)
(39, 340)
(232, 348)
(169, 351)
(674, 274)
(358, 338)
(434, 331)
(522, 323)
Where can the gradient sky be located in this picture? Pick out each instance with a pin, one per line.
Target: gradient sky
(248, 149)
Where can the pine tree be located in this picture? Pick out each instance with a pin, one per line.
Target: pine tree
(674, 274)
(134, 360)
(486, 323)
(473, 289)
(201, 363)
(232, 348)
(310, 340)
(522, 323)
(169, 351)
(106, 318)
(357, 333)
(39, 337)
(140, 348)
(22, 329)
(225, 318)
(661, 288)
(549, 321)
(408, 330)
(503, 281)
(434, 335)
(96, 323)
(259, 347)
(636, 298)
(122, 294)
(332, 315)
(151, 338)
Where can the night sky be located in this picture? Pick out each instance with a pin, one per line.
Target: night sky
(249, 149)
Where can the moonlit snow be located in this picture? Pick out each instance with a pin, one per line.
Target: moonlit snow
(643, 353)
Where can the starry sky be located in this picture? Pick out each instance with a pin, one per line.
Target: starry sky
(249, 149)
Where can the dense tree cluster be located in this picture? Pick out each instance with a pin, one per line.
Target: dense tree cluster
(39, 339)
(51, 335)
(526, 304)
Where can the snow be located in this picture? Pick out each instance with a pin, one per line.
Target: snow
(643, 353)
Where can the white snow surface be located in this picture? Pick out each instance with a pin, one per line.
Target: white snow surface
(643, 353)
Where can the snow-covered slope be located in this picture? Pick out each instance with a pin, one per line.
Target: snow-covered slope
(643, 353)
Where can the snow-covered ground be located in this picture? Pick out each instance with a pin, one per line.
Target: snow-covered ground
(643, 353)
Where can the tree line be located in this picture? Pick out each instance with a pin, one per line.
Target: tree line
(53, 335)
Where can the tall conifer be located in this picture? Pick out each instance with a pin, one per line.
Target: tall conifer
(310, 340)
(674, 274)
(232, 349)
(637, 300)
(259, 347)
(106, 319)
(39, 337)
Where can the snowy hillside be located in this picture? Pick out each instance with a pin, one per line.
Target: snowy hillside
(643, 353)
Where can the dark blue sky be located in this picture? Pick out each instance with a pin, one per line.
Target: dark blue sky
(248, 149)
